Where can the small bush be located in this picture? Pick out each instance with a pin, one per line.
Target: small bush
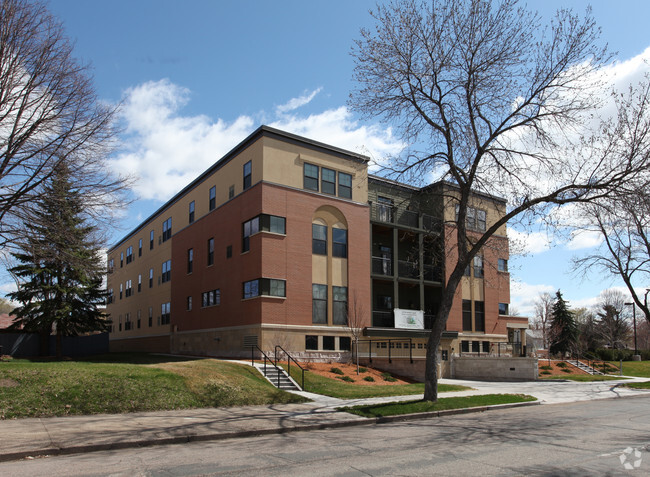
(561, 365)
(388, 377)
(369, 379)
(363, 370)
(337, 371)
(566, 370)
(347, 379)
(545, 372)
(546, 366)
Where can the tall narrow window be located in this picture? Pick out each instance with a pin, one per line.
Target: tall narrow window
(151, 240)
(503, 265)
(481, 221)
(231, 192)
(247, 175)
(121, 259)
(189, 304)
(311, 177)
(166, 271)
(151, 278)
(479, 316)
(345, 185)
(165, 313)
(339, 305)
(319, 304)
(129, 255)
(139, 283)
(478, 266)
(210, 251)
(384, 209)
(339, 243)
(167, 229)
(250, 227)
(140, 248)
(150, 317)
(191, 212)
(190, 260)
(213, 197)
(467, 315)
(319, 239)
(328, 181)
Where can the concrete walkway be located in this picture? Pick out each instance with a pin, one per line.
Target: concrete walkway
(64, 435)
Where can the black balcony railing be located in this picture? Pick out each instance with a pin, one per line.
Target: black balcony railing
(382, 266)
(432, 273)
(383, 319)
(406, 269)
(407, 218)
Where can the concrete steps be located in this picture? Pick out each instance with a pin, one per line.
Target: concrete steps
(585, 368)
(285, 382)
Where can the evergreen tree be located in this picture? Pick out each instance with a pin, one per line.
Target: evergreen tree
(564, 330)
(60, 271)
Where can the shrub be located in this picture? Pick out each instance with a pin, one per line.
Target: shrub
(363, 370)
(566, 370)
(388, 377)
(546, 367)
(337, 371)
(369, 378)
(545, 372)
(561, 365)
(347, 379)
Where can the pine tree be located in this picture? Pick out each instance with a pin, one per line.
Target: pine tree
(60, 271)
(564, 330)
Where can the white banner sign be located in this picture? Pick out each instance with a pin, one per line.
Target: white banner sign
(411, 319)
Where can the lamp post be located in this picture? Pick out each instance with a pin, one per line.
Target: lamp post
(634, 320)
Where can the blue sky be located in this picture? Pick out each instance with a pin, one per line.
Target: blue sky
(196, 77)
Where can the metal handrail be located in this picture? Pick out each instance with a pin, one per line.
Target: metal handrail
(289, 359)
(253, 347)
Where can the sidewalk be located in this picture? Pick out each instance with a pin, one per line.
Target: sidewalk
(65, 435)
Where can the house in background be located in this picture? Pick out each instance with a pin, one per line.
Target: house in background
(284, 241)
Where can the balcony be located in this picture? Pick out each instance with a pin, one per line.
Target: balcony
(407, 269)
(382, 266)
(383, 319)
(432, 273)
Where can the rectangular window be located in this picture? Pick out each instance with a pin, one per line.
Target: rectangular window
(384, 209)
(140, 248)
(345, 185)
(479, 316)
(211, 298)
(139, 283)
(166, 271)
(272, 223)
(486, 346)
(167, 230)
(190, 260)
(481, 221)
(503, 308)
(339, 305)
(121, 291)
(328, 343)
(128, 288)
(231, 192)
(127, 321)
(319, 304)
(189, 303)
(247, 174)
(503, 265)
(476, 346)
(213, 198)
(345, 343)
(165, 313)
(464, 346)
(339, 243)
(151, 278)
(150, 317)
(467, 315)
(121, 259)
(111, 265)
(444, 355)
(151, 240)
(210, 252)
(319, 239)
(139, 318)
(328, 181)
(478, 266)
(264, 287)
(229, 251)
(129, 255)
(311, 177)
(311, 342)
(251, 289)
(249, 228)
(191, 212)
(109, 296)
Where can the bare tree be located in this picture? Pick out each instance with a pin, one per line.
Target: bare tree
(357, 319)
(612, 326)
(623, 222)
(493, 103)
(543, 315)
(49, 113)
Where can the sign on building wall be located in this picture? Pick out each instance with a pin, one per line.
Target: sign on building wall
(411, 319)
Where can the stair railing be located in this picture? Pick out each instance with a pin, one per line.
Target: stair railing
(289, 359)
(253, 348)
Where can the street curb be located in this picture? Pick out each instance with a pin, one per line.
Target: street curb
(63, 450)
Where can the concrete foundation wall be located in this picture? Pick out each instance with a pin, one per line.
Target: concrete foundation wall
(494, 368)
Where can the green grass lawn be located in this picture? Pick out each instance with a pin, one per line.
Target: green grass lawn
(635, 368)
(315, 383)
(129, 383)
(583, 377)
(643, 385)
(410, 407)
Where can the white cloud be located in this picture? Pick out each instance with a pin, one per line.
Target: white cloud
(523, 296)
(528, 242)
(295, 103)
(581, 239)
(165, 151)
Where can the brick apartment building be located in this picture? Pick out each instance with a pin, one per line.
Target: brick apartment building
(284, 239)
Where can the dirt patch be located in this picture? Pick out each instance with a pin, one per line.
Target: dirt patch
(8, 383)
(555, 369)
(325, 369)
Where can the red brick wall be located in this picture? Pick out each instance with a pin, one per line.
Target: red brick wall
(271, 256)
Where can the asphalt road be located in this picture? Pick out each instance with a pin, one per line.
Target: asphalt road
(584, 438)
